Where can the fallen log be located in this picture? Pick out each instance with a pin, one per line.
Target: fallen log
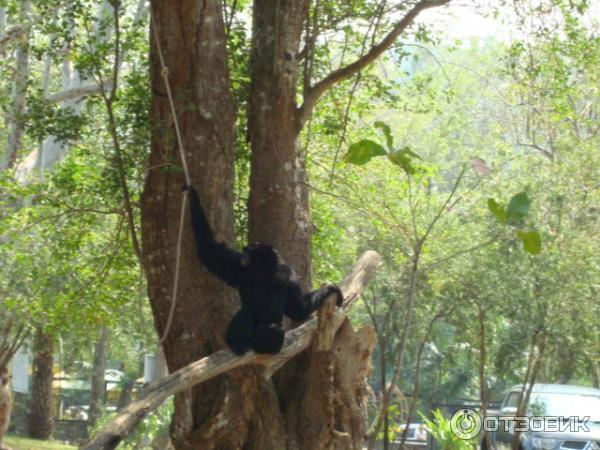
(297, 340)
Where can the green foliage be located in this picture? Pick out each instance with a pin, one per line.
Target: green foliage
(69, 263)
(514, 215)
(403, 159)
(532, 242)
(524, 109)
(45, 118)
(385, 128)
(441, 431)
(396, 422)
(497, 210)
(364, 150)
(517, 209)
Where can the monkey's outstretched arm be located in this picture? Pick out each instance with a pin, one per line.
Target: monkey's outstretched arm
(300, 304)
(224, 262)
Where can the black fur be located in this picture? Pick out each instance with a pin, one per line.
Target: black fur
(268, 288)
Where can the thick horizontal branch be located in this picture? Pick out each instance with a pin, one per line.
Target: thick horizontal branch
(335, 77)
(223, 361)
(81, 91)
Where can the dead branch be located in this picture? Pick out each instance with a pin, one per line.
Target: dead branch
(223, 361)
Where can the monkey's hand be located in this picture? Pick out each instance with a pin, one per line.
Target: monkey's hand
(187, 188)
(333, 289)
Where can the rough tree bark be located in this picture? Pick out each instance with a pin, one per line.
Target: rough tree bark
(278, 207)
(193, 44)
(40, 421)
(278, 211)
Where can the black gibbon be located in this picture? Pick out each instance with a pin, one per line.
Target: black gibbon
(268, 287)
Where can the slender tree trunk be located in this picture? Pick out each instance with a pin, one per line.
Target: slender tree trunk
(415, 396)
(383, 365)
(2, 28)
(533, 367)
(40, 421)
(16, 126)
(98, 393)
(5, 403)
(483, 393)
(382, 413)
(2, 21)
(595, 374)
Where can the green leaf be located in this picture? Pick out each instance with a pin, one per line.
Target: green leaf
(389, 139)
(402, 158)
(497, 210)
(411, 153)
(532, 242)
(518, 208)
(362, 151)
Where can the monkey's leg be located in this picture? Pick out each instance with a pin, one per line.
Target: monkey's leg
(268, 338)
(239, 332)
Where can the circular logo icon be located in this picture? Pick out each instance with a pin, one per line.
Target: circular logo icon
(465, 423)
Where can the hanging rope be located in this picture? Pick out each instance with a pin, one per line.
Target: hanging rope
(165, 74)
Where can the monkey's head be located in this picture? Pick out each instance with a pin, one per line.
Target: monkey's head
(261, 259)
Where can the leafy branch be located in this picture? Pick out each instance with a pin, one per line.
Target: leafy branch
(312, 95)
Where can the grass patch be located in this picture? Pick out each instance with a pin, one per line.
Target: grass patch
(19, 443)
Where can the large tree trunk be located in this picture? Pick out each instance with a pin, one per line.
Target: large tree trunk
(193, 44)
(279, 214)
(305, 402)
(278, 205)
(40, 421)
(98, 384)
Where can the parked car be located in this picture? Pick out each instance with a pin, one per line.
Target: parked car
(559, 412)
(416, 437)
